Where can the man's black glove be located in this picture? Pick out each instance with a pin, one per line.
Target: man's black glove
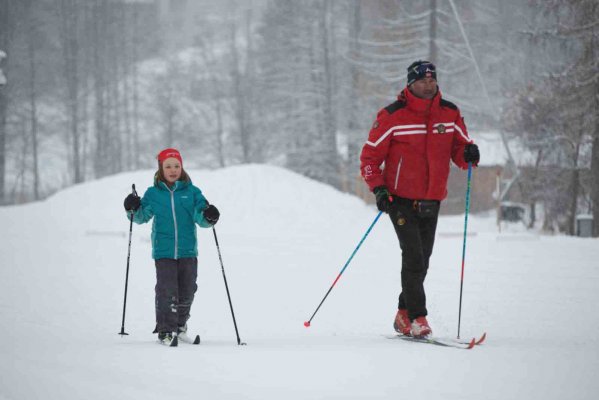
(211, 214)
(132, 202)
(383, 200)
(471, 154)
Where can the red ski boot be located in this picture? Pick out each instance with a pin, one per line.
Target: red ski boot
(420, 328)
(402, 322)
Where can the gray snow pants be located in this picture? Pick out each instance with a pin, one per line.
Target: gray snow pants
(175, 289)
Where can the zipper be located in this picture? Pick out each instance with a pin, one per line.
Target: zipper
(172, 192)
(397, 173)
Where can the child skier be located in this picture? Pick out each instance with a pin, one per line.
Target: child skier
(176, 205)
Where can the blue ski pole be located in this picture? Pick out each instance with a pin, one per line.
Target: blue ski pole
(464, 245)
(307, 323)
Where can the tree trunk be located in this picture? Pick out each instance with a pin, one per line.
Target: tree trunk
(127, 51)
(574, 190)
(240, 106)
(5, 26)
(99, 75)
(329, 133)
(256, 150)
(69, 17)
(534, 181)
(220, 134)
(432, 46)
(595, 181)
(33, 109)
(3, 107)
(595, 135)
(135, 72)
(355, 137)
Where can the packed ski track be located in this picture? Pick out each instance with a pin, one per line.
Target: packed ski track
(284, 239)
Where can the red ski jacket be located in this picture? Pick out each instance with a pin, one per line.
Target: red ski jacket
(415, 138)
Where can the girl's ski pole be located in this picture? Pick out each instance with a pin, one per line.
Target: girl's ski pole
(122, 332)
(239, 342)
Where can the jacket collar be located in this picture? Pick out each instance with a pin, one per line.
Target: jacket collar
(178, 185)
(417, 104)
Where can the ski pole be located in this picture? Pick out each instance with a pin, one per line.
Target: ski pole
(307, 323)
(122, 332)
(464, 245)
(239, 342)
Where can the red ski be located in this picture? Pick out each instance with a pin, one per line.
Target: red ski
(477, 342)
(437, 341)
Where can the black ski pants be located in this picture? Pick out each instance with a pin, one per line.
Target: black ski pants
(175, 289)
(416, 233)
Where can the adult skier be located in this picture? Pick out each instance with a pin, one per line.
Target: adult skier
(415, 138)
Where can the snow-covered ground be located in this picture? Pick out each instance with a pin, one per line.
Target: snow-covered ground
(284, 239)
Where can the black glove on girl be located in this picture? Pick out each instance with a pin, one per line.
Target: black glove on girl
(211, 214)
(132, 202)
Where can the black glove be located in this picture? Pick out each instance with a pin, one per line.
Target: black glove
(383, 201)
(211, 214)
(471, 154)
(132, 202)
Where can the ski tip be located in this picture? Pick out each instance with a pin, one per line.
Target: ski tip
(472, 343)
(197, 340)
(307, 324)
(482, 338)
(174, 342)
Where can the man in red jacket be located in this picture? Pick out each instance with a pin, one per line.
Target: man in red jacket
(415, 137)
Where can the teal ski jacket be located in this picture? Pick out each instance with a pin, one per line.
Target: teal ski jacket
(175, 210)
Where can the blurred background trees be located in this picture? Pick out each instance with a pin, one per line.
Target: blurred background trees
(96, 87)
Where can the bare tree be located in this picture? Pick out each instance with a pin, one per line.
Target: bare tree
(70, 34)
(6, 25)
(355, 124)
(99, 72)
(213, 90)
(33, 99)
(327, 87)
(572, 25)
(243, 77)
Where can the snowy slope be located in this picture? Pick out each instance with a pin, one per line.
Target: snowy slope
(284, 239)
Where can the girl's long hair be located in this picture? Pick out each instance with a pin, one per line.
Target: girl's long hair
(159, 176)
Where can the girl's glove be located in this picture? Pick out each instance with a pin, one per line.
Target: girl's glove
(132, 202)
(211, 214)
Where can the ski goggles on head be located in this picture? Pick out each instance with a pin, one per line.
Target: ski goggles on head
(424, 68)
(421, 70)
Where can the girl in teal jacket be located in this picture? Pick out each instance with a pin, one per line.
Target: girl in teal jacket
(176, 206)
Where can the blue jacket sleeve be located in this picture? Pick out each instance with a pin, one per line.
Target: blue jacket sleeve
(200, 203)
